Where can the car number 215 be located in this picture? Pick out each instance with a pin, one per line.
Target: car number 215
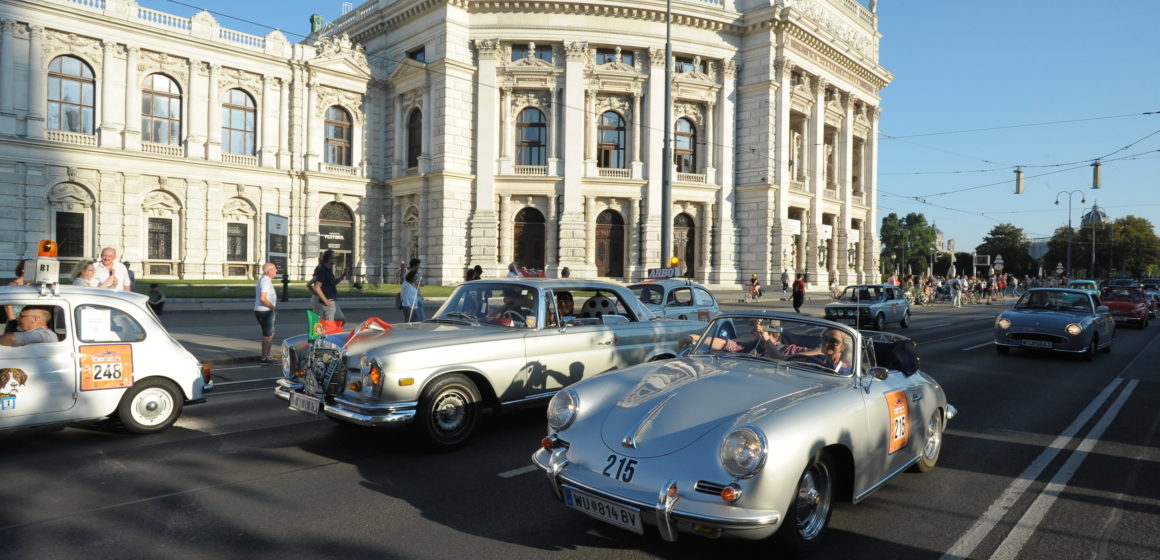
(620, 468)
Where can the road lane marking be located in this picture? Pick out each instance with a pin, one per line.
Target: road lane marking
(938, 326)
(969, 348)
(224, 383)
(1027, 524)
(517, 472)
(972, 537)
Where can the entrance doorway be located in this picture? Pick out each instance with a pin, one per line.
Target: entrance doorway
(529, 238)
(685, 244)
(336, 232)
(610, 244)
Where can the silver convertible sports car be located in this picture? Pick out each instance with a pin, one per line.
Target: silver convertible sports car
(746, 437)
(1058, 319)
(495, 343)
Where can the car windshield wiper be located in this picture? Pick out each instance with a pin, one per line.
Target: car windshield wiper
(458, 317)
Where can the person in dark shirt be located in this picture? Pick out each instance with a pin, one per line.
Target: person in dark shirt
(324, 289)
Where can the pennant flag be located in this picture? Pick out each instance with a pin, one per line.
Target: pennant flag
(374, 323)
(317, 326)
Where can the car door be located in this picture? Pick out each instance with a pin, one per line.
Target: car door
(706, 304)
(559, 356)
(39, 380)
(679, 304)
(894, 306)
(893, 412)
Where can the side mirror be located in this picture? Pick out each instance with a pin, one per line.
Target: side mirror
(1102, 309)
(878, 372)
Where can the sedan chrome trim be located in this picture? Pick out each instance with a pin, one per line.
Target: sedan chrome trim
(629, 440)
(884, 480)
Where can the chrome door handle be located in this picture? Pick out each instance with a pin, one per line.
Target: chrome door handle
(607, 341)
(916, 397)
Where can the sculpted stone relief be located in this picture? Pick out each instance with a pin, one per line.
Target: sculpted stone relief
(620, 103)
(349, 100)
(57, 43)
(160, 204)
(239, 209)
(539, 99)
(150, 62)
(854, 36)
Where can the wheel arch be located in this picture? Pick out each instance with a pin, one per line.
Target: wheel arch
(843, 462)
(486, 392)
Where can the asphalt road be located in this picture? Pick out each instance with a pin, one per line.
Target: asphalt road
(1049, 457)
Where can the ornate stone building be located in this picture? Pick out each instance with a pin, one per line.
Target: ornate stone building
(474, 132)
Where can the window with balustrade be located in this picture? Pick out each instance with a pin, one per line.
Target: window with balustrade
(610, 141)
(531, 137)
(239, 123)
(685, 152)
(161, 110)
(338, 136)
(71, 95)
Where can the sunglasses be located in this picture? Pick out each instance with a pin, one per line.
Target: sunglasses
(834, 341)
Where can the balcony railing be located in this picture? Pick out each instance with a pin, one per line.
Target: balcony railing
(540, 170)
(162, 149)
(614, 173)
(698, 178)
(338, 169)
(240, 159)
(72, 137)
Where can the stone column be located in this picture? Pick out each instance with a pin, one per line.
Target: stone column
(132, 136)
(399, 148)
(725, 246)
(483, 220)
(110, 129)
(428, 126)
(637, 133)
(590, 231)
(554, 136)
(870, 227)
(505, 232)
(572, 138)
(268, 155)
(312, 156)
(816, 178)
(707, 229)
(783, 147)
(650, 242)
(7, 68)
(198, 103)
(633, 238)
(505, 101)
(551, 236)
(38, 84)
(283, 117)
(846, 186)
(214, 116)
(710, 146)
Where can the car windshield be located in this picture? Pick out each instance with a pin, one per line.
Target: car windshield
(780, 340)
(649, 293)
(863, 293)
(506, 305)
(1088, 285)
(1054, 300)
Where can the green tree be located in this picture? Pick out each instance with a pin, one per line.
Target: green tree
(1008, 241)
(910, 240)
(1135, 245)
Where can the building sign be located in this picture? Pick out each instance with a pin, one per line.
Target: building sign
(826, 231)
(793, 227)
(338, 238)
(277, 241)
(667, 272)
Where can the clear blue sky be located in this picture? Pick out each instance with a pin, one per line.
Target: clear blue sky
(974, 82)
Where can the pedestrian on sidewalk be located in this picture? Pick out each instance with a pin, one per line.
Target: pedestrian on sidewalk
(412, 309)
(156, 299)
(784, 281)
(799, 293)
(265, 302)
(324, 289)
(416, 311)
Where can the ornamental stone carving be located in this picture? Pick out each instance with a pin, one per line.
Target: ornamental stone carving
(539, 99)
(835, 24)
(349, 100)
(620, 103)
(160, 204)
(239, 209)
(151, 62)
(70, 197)
(692, 111)
(230, 78)
(57, 43)
(487, 49)
(576, 51)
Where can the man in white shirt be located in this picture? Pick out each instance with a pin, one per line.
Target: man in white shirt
(110, 266)
(265, 302)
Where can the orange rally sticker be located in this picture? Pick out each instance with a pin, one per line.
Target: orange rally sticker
(106, 367)
(899, 420)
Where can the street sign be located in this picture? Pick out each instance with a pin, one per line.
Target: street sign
(668, 272)
(999, 263)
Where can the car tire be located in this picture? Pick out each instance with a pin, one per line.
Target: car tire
(448, 412)
(880, 322)
(1002, 349)
(808, 515)
(932, 447)
(1093, 347)
(151, 405)
(905, 322)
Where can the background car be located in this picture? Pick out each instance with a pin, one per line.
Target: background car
(1127, 305)
(742, 443)
(111, 357)
(1057, 319)
(1089, 286)
(1123, 282)
(494, 343)
(1153, 297)
(871, 305)
(677, 298)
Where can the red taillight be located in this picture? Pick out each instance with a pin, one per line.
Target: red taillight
(205, 373)
(731, 493)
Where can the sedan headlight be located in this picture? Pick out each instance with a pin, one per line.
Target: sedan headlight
(287, 364)
(1073, 329)
(562, 409)
(1003, 323)
(743, 452)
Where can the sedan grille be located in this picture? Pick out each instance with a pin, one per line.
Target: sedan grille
(327, 367)
(1038, 336)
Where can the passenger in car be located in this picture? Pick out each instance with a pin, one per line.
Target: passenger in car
(33, 328)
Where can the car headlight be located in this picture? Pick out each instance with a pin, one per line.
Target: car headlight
(743, 452)
(562, 409)
(1073, 329)
(286, 362)
(1003, 323)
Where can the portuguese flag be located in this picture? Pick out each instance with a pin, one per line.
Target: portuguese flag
(317, 326)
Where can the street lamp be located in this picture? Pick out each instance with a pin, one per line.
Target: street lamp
(1082, 200)
(382, 229)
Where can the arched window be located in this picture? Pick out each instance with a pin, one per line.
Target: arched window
(531, 137)
(71, 95)
(338, 126)
(611, 141)
(685, 154)
(239, 123)
(161, 110)
(414, 138)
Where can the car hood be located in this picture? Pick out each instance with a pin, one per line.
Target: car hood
(676, 402)
(1123, 304)
(1043, 317)
(419, 336)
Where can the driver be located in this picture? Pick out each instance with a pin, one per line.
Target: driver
(33, 323)
(835, 352)
(515, 305)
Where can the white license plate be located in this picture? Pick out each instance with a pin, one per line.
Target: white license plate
(303, 403)
(1036, 343)
(626, 518)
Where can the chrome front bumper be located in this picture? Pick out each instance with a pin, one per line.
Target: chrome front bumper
(670, 514)
(361, 413)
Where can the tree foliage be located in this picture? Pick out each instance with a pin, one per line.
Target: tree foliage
(1008, 241)
(1127, 246)
(911, 240)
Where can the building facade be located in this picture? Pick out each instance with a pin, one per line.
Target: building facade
(458, 132)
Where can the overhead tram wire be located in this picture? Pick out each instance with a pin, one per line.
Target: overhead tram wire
(383, 59)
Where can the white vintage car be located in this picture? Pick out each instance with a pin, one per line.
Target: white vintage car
(110, 357)
(746, 437)
(493, 343)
